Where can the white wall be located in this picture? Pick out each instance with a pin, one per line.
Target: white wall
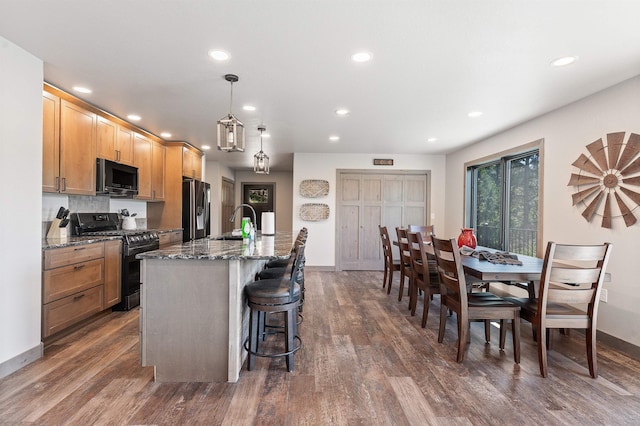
(566, 132)
(214, 171)
(21, 79)
(321, 246)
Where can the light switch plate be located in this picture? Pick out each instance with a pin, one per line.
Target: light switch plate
(603, 295)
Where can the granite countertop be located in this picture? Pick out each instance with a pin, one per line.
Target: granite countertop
(51, 243)
(263, 247)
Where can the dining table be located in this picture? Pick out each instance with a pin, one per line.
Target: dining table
(526, 276)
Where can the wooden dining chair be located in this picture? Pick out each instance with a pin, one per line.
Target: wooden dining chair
(391, 265)
(425, 230)
(571, 274)
(425, 276)
(405, 262)
(469, 306)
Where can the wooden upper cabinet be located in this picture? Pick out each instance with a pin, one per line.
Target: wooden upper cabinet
(124, 145)
(158, 164)
(50, 142)
(142, 159)
(77, 149)
(191, 163)
(106, 142)
(114, 142)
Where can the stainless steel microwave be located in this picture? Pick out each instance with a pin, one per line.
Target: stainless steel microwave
(115, 179)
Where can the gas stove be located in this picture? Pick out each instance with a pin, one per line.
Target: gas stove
(108, 224)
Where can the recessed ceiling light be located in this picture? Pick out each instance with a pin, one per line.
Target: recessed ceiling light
(134, 117)
(432, 139)
(206, 147)
(342, 111)
(219, 55)
(249, 108)
(474, 114)
(564, 61)
(334, 138)
(165, 134)
(361, 57)
(81, 89)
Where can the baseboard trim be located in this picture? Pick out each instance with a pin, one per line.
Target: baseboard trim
(17, 362)
(320, 268)
(627, 348)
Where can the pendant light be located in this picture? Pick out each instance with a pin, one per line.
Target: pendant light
(261, 160)
(230, 129)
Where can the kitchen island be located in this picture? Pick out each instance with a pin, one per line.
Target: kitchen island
(193, 313)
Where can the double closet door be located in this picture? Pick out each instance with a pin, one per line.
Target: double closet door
(366, 200)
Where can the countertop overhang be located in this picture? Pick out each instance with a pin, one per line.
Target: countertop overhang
(264, 247)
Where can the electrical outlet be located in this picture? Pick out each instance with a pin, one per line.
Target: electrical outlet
(603, 295)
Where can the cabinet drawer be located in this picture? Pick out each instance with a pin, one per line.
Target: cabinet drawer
(65, 312)
(170, 238)
(62, 282)
(73, 254)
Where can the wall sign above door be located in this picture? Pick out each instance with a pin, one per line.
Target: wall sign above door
(383, 161)
(611, 171)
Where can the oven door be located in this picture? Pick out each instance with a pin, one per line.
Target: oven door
(131, 277)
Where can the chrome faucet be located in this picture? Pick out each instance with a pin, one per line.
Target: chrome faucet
(233, 216)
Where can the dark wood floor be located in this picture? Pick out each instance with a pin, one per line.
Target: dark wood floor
(364, 361)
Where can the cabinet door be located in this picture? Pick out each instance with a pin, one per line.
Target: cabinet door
(106, 139)
(50, 142)
(124, 145)
(158, 165)
(191, 164)
(142, 160)
(77, 149)
(112, 273)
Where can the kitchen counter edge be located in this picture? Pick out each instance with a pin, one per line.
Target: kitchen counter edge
(262, 248)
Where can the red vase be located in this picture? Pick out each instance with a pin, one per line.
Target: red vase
(467, 238)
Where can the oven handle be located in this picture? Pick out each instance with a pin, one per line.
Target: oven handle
(141, 249)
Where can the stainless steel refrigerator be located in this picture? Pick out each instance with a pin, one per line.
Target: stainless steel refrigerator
(196, 209)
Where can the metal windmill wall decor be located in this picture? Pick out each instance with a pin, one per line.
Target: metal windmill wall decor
(610, 171)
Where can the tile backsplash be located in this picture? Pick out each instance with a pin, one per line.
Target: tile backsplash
(90, 204)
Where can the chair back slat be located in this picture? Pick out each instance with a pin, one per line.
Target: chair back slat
(564, 295)
(574, 275)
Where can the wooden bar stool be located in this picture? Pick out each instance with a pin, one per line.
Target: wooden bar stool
(270, 296)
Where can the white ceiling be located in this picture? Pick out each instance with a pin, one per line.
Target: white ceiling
(434, 61)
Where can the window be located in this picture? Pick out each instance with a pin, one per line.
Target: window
(502, 202)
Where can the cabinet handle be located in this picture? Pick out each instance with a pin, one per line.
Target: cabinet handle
(78, 297)
(57, 183)
(64, 184)
(79, 248)
(154, 194)
(78, 267)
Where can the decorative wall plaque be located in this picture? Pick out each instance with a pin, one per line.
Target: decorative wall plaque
(314, 212)
(610, 172)
(314, 188)
(383, 161)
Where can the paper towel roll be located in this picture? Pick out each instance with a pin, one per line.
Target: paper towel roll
(268, 223)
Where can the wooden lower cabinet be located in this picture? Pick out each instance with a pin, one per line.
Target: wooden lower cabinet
(112, 273)
(65, 312)
(169, 238)
(79, 282)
